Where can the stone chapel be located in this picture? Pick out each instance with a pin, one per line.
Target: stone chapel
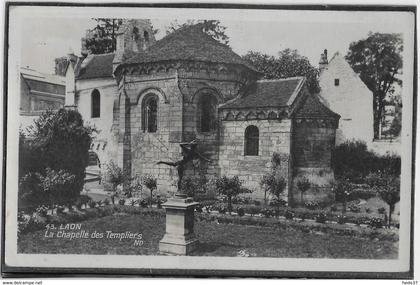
(151, 95)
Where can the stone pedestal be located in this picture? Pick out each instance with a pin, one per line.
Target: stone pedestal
(179, 238)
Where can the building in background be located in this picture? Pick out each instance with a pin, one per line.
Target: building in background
(39, 92)
(344, 92)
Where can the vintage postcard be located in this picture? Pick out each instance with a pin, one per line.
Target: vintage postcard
(214, 140)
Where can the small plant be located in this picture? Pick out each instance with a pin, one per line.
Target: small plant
(368, 210)
(92, 204)
(312, 205)
(381, 210)
(341, 219)
(333, 208)
(79, 205)
(151, 183)
(376, 223)
(275, 185)
(230, 187)
(321, 218)
(60, 209)
(289, 214)
(240, 211)
(266, 212)
(107, 202)
(100, 203)
(121, 202)
(222, 209)
(143, 203)
(253, 210)
(42, 210)
(355, 208)
(133, 202)
(303, 185)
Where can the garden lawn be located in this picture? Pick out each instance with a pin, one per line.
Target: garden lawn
(215, 240)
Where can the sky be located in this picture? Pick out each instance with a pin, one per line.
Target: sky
(45, 36)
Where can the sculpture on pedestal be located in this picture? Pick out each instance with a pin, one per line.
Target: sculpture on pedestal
(179, 237)
(189, 153)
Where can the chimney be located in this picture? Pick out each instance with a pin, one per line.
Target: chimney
(323, 61)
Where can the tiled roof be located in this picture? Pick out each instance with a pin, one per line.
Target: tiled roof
(95, 66)
(313, 108)
(268, 93)
(189, 43)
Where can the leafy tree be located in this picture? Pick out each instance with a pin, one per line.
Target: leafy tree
(151, 183)
(114, 176)
(102, 38)
(212, 27)
(303, 185)
(388, 188)
(289, 63)
(230, 187)
(377, 59)
(59, 144)
(342, 190)
(275, 185)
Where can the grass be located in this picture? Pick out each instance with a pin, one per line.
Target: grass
(215, 240)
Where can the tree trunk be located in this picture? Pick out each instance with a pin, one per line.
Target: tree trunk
(301, 198)
(265, 198)
(391, 209)
(344, 206)
(230, 205)
(151, 198)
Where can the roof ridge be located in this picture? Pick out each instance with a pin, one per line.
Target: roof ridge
(280, 79)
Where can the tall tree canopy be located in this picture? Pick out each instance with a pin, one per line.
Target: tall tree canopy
(102, 38)
(377, 59)
(212, 27)
(289, 63)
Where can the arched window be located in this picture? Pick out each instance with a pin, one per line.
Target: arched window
(252, 138)
(96, 104)
(207, 113)
(135, 34)
(146, 36)
(150, 106)
(93, 159)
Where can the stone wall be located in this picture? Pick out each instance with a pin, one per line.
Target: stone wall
(274, 136)
(312, 149)
(104, 142)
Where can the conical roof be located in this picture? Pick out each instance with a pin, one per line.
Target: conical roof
(188, 44)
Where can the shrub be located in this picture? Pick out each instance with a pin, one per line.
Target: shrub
(274, 184)
(107, 202)
(266, 212)
(368, 210)
(151, 183)
(240, 211)
(121, 202)
(252, 210)
(333, 208)
(355, 208)
(143, 203)
(381, 210)
(376, 223)
(321, 218)
(42, 210)
(312, 205)
(364, 194)
(92, 204)
(303, 185)
(230, 187)
(341, 219)
(289, 215)
(60, 143)
(60, 209)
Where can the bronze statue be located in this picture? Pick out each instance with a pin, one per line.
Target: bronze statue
(189, 153)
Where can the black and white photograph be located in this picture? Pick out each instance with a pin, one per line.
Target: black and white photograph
(224, 141)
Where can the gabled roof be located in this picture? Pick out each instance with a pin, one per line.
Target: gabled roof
(189, 44)
(313, 108)
(95, 66)
(32, 74)
(269, 93)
